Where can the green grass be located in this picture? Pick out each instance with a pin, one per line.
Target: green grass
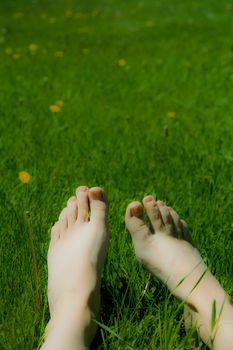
(114, 131)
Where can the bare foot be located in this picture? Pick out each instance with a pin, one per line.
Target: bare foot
(166, 251)
(75, 260)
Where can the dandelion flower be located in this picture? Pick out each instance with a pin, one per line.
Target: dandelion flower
(24, 177)
(83, 30)
(60, 103)
(171, 115)
(69, 14)
(149, 24)
(187, 64)
(17, 15)
(52, 20)
(59, 54)
(85, 51)
(32, 48)
(121, 62)
(8, 51)
(159, 61)
(94, 13)
(16, 56)
(54, 108)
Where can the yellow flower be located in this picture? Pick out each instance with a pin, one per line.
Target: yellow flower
(69, 13)
(32, 48)
(52, 20)
(82, 15)
(16, 56)
(94, 13)
(187, 64)
(159, 61)
(60, 103)
(8, 51)
(149, 24)
(54, 108)
(83, 30)
(121, 62)
(17, 15)
(24, 177)
(85, 51)
(171, 115)
(59, 54)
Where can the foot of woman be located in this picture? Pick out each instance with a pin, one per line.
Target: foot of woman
(75, 260)
(165, 249)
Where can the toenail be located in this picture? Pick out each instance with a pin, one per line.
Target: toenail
(82, 189)
(148, 199)
(97, 194)
(136, 211)
(160, 203)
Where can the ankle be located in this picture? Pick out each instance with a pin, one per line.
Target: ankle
(207, 295)
(211, 311)
(68, 326)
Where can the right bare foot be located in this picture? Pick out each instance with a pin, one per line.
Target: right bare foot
(166, 251)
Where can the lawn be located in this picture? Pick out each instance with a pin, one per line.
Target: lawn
(147, 94)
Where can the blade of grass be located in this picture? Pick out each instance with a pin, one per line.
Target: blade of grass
(213, 315)
(114, 334)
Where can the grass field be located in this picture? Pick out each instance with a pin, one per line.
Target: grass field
(147, 92)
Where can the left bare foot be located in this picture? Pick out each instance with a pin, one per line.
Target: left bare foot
(76, 257)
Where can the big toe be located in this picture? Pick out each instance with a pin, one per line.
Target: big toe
(98, 204)
(135, 221)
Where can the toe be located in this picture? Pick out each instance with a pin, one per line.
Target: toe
(83, 204)
(176, 222)
(135, 222)
(153, 213)
(55, 232)
(167, 219)
(185, 232)
(63, 221)
(72, 211)
(98, 204)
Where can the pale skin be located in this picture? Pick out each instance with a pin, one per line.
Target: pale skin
(76, 257)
